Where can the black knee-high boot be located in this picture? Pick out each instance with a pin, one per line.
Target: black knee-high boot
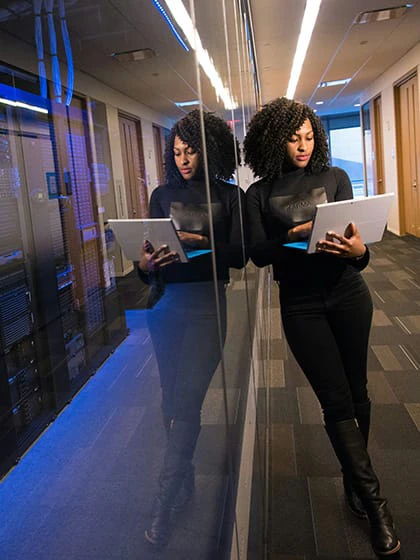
(167, 421)
(350, 448)
(187, 489)
(182, 439)
(362, 412)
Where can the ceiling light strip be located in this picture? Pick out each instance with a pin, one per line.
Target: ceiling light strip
(332, 83)
(187, 103)
(170, 24)
(22, 105)
(183, 19)
(308, 24)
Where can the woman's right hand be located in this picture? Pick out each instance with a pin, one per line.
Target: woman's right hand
(151, 260)
(303, 231)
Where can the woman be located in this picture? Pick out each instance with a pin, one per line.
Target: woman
(326, 307)
(183, 324)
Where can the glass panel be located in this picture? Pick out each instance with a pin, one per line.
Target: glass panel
(346, 152)
(155, 452)
(368, 149)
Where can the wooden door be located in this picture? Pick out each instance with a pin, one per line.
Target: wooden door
(409, 157)
(134, 168)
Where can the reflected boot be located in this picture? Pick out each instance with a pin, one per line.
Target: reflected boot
(362, 411)
(182, 438)
(167, 421)
(350, 448)
(187, 490)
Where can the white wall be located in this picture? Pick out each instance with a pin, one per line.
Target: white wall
(149, 155)
(384, 86)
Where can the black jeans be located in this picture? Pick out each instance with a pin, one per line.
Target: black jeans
(184, 331)
(328, 333)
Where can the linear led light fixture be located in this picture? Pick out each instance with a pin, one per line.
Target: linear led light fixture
(170, 24)
(333, 83)
(308, 23)
(187, 103)
(22, 105)
(183, 20)
(384, 14)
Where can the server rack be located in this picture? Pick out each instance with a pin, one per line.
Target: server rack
(59, 317)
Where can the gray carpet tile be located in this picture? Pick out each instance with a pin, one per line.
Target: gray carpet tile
(291, 527)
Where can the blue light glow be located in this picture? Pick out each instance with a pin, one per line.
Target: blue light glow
(68, 50)
(187, 103)
(170, 24)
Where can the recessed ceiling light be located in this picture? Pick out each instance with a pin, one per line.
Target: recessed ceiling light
(335, 83)
(383, 14)
(357, 104)
(319, 103)
(135, 55)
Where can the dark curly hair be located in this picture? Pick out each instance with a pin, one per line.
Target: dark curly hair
(268, 132)
(220, 144)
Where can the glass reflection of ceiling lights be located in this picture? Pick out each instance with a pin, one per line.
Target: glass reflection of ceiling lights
(333, 83)
(21, 105)
(187, 103)
(184, 22)
(20, 99)
(308, 23)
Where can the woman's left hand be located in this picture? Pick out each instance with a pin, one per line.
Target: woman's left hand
(193, 239)
(349, 246)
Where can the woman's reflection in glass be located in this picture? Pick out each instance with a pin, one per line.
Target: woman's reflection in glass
(183, 323)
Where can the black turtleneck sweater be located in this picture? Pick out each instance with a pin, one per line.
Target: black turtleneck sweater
(187, 206)
(274, 208)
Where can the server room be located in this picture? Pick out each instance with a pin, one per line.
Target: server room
(177, 382)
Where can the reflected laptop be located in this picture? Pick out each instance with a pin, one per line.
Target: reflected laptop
(370, 214)
(131, 233)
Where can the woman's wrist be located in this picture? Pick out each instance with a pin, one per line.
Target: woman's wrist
(141, 268)
(360, 257)
(203, 241)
